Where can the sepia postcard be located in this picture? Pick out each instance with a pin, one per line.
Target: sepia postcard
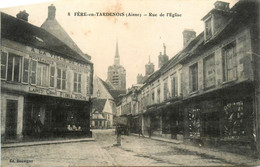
(130, 83)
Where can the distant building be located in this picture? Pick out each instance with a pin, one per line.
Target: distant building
(104, 101)
(116, 75)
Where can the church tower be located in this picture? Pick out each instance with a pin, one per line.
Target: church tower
(116, 75)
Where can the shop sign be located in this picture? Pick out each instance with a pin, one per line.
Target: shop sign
(46, 57)
(49, 92)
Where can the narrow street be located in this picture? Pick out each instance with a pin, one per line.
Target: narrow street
(134, 151)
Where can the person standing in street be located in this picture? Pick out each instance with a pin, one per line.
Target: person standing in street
(140, 131)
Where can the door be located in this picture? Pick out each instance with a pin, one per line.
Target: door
(11, 119)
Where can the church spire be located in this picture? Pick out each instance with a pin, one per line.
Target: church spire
(117, 58)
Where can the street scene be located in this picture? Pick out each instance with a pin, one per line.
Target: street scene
(111, 83)
(134, 151)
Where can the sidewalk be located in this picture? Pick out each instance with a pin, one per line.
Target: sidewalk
(46, 142)
(209, 152)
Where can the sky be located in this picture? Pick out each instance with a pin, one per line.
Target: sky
(138, 37)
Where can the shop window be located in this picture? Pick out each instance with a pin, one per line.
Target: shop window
(209, 71)
(208, 28)
(77, 82)
(42, 74)
(25, 70)
(165, 89)
(14, 68)
(3, 65)
(33, 71)
(61, 79)
(174, 80)
(193, 77)
(52, 75)
(229, 62)
(235, 120)
(194, 122)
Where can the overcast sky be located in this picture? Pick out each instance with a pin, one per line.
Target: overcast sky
(138, 37)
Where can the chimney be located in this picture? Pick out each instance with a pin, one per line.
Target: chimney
(51, 12)
(188, 35)
(220, 5)
(162, 59)
(23, 15)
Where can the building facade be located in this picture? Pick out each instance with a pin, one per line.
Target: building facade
(45, 85)
(104, 105)
(209, 91)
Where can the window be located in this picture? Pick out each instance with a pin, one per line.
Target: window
(61, 79)
(174, 85)
(3, 65)
(87, 85)
(14, 68)
(209, 71)
(165, 89)
(77, 82)
(208, 28)
(229, 62)
(52, 74)
(152, 97)
(42, 74)
(25, 70)
(115, 79)
(33, 71)
(158, 94)
(194, 77)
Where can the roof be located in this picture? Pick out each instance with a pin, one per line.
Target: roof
(98, 104)
(31, 35)
(53, 26)
(113, 92)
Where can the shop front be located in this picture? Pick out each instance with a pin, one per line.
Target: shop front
(46, 116)
(224, 116)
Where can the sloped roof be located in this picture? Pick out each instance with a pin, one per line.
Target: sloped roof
(98, 104)
(53, 27)
(31, 35)
(113, 92)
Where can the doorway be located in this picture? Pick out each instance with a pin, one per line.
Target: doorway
(11, 119)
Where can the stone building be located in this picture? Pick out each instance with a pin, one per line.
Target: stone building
(45, 84)
(104, 100)
(209, 91)
(116, 74)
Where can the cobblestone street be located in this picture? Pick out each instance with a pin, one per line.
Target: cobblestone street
(134, 151)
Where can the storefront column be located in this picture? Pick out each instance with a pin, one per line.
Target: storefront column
(161, 126)
(3, 116)
(257, 107)
(20, 117)
(142, 123)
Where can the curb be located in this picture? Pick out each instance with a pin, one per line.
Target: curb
(160, 139)
(228, 158)
(24, 144)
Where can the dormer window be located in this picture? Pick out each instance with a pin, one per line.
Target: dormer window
(208, 28)
(216, 19)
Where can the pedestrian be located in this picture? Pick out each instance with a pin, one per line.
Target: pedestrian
(149, 131)
(38, 126)
(118, 135)
(140, 131)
